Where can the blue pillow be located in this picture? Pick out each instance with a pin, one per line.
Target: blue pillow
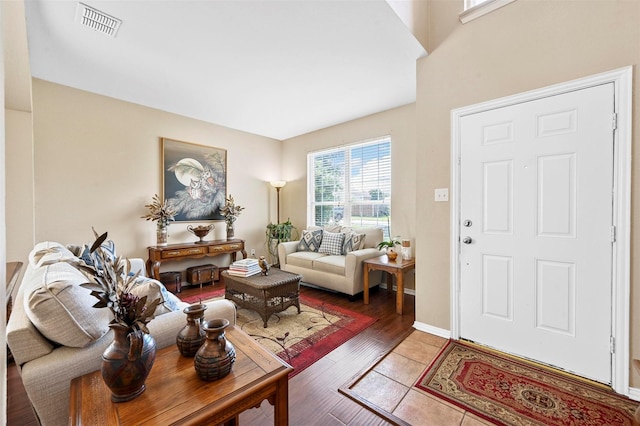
(109, 248)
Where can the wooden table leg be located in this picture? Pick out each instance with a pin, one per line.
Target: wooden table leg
(281, 406)
(399, 292)
(366, 284)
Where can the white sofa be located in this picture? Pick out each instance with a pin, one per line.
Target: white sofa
(51, 308)
(341, 272)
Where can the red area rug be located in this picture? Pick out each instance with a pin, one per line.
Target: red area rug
(299, 339)
(507, 391)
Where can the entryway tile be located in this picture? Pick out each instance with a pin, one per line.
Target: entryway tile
(400, 368)
(419, 409)
(380, 390)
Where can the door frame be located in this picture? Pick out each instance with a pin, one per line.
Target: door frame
(621, 261)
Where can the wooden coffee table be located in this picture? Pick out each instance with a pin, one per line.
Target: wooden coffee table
(393, 267)
(175, 395)
(265, 295)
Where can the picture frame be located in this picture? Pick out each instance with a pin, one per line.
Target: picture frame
(194, 180)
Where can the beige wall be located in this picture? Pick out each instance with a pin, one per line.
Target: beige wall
(400, 124)
(97, 163)
(19, 191)
(523, 46)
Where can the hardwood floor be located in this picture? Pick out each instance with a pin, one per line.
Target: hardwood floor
(313, 394)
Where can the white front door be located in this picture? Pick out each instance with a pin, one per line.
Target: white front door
(535, 260)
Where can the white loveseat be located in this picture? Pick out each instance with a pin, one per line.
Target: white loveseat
(323, 265)
(55, 334)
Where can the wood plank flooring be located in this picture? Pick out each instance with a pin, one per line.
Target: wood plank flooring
(313, 394)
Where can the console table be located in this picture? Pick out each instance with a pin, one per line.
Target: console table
(173, 252)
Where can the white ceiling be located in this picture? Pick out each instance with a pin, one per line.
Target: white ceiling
(277, 68)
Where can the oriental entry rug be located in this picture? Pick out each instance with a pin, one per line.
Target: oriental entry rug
(509, 391)
(299, 339)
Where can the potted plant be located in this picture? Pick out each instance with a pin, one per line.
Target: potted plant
(278, 233)
(389, 247)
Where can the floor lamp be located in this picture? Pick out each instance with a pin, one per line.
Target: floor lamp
(278, 184)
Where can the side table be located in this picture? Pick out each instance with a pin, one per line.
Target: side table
(393, 267)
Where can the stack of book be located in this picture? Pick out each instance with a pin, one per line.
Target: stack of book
(244, 268)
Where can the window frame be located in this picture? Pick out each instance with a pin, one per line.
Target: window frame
(347, 203)
(474, 9)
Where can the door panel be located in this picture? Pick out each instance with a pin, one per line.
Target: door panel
(536, 183)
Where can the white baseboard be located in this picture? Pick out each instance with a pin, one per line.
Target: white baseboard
(440, 332)
(406, 290)
(634, 393)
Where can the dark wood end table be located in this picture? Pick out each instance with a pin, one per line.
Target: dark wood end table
(264, 294)
(175, 395)
(396, 268)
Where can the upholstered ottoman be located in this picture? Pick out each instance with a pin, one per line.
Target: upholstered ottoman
(264, 294)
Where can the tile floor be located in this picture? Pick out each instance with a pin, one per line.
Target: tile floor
(389, 385)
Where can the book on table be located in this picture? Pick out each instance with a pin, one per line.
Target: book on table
(244, 268)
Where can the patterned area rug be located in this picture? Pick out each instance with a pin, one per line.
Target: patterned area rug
(507, 391)
(299, 339)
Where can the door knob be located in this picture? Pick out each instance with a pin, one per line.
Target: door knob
(467, 240)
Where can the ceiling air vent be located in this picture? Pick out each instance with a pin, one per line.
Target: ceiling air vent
(97, 20)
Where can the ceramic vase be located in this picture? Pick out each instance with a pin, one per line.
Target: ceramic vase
(192, 336)
(162, 233)
(230, 231)
(215, 358)
(127, 362)
(392, 254)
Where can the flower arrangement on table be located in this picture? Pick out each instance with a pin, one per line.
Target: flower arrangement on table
(127, 361)
(111, 282)
(230, 211)
(160, 210)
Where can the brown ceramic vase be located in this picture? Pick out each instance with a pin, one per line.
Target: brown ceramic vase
(192, 336)
(215, 358)
(127, 361)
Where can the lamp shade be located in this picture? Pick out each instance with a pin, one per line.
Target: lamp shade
(278, 183)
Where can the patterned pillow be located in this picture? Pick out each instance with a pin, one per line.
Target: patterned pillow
(109, 248)
(331, 243)
(310, 240)
(352, 242)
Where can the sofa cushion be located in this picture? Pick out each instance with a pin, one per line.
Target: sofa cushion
(304, 259)
(62, 310)
(48, 252)
(373, 236)
(331, 243)
(352, 242)
(156, 290)
(310, 240)
(330, 264)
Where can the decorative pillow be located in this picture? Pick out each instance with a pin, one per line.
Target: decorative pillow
(109, 248)
(48, 252)
(352, 242)
(331, 243)
(62, 310)
(310, 240)
(155, 290)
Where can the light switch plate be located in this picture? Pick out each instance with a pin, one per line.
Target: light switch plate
(441, 194)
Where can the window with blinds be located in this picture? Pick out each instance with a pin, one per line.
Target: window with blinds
(351, 185)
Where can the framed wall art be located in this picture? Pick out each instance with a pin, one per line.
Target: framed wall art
(194, 179)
